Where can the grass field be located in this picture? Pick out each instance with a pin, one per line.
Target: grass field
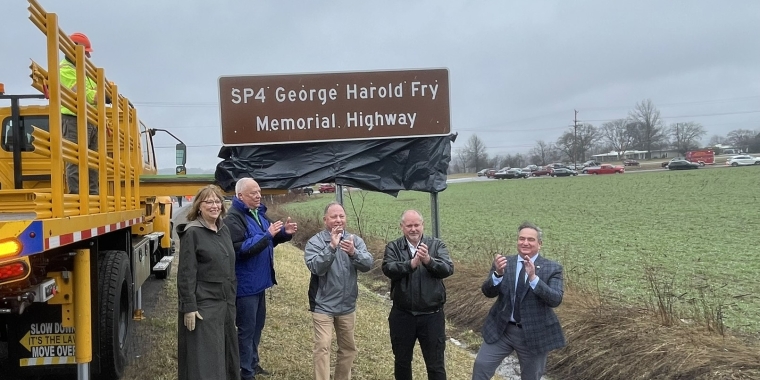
(695, 233)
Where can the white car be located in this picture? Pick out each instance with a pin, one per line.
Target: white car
(744, 159)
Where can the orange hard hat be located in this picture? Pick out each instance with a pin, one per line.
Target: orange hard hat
(81, 39)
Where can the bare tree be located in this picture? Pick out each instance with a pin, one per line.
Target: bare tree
(541, 153)
(565, 144)
(495, 161)
(650, 128)
(477, 157)
(572, 145)
(686, 136)
(461, 160)
(741, 138)
(518, 161)
(618, 134)
(717, 139)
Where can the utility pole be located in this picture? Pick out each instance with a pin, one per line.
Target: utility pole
(575, 139)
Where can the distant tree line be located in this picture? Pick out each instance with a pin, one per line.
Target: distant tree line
(642, 129)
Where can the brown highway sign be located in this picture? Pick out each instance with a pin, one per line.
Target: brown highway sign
(280, 109)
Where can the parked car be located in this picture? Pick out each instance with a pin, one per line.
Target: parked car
(326, 188)
(483, 172)
(742, 160)
(699, 163)
(591, 164)
(308, 190)
(682, 165)
(490, 173)
(605, 169)
(541, 170)
(511, 173)
(630, 163)
(563, 172)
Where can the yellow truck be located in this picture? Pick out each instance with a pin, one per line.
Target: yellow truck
(72, 265)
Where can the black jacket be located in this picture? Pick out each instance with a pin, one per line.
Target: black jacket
(418, 290)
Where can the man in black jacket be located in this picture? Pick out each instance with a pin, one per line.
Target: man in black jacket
(417, 265)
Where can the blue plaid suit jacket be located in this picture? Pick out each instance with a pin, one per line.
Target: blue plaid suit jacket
(542, 330)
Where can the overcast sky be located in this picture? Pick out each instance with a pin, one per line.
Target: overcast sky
(517, 68)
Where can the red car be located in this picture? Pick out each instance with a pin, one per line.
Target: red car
(326, 188)
(605, 169)
(542, 170)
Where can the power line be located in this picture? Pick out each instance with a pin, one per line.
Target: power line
(678, 104)
(681, 116)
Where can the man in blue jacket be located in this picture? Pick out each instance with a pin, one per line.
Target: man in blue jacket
(254, 237)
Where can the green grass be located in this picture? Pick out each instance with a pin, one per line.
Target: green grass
(696, 230)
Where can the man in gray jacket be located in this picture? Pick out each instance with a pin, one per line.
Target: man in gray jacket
(333, 256)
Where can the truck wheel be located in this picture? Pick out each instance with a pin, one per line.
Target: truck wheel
(115, 306)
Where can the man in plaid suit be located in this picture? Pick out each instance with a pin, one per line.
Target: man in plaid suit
(528, 287)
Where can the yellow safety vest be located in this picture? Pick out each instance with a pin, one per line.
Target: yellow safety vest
(68, 75)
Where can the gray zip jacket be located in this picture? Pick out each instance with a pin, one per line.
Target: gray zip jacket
(333, 288)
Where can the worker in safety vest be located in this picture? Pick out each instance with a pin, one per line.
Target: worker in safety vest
(68, 75)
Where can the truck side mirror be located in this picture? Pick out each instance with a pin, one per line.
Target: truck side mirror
(181, 152)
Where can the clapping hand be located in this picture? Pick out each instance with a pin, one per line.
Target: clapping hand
(347, 244)
(530, 269)
(335, 235)
(422, 253)
(500, 263)
(275, 228)
(290, 227)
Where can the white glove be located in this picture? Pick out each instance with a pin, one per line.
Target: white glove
(190, 319)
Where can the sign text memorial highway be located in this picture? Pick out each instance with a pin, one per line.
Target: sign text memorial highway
(278, 109)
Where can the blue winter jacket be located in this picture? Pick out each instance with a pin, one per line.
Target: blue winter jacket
(254, 248)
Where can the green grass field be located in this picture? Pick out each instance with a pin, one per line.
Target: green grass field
(695, 231)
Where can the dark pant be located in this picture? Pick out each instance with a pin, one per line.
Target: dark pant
(490, 356)
(251, 313)
(69, 126)
(430, 329)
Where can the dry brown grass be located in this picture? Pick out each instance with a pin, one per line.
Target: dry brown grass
(616, 342)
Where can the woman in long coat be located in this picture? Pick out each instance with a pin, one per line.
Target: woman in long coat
(207, 340)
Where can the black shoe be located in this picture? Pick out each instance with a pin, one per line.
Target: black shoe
(260, 371)
(248, 378)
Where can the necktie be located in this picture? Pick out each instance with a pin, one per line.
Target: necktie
(255, 213)
(518, 293)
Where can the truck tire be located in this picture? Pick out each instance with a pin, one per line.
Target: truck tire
(115, 309)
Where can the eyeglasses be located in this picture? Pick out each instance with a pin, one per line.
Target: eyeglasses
(214, 202)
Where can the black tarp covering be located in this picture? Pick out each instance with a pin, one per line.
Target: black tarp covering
(387, 165)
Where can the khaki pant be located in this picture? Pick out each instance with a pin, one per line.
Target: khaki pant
(69, 126)
(347, 352)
